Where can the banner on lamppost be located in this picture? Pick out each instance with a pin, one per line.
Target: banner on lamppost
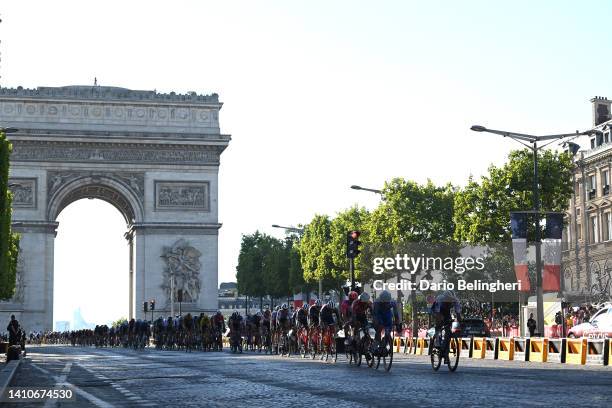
(518, 226)
(551, 249)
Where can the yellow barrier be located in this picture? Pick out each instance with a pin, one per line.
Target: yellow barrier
(576, 351)
(479, 347)
(409, 345)
(397, 343)
(466, 346)
(421, 346)
(505, 349)
(538, 350)
(609, 360)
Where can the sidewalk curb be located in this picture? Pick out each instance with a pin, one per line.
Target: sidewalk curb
(7, 373)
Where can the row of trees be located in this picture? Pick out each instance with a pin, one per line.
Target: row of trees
(9, 241)
(268, 266)
(409, 213)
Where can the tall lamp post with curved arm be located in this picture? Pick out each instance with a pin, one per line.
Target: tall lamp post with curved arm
(531, 142)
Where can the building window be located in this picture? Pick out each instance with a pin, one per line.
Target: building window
(606, 137)
(579, 232)
(592, 143)
(608, 226)
(592, 187)
(594, 230)
(605, 182)
(577, 212)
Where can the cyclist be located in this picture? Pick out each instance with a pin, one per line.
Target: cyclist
(384, 313)
(345, 312)
(359, 312)
(313, 313)
(329, 314)
(218, 326)
(329, 317)
(235, 326)
(443, 306)
(301, 316)
(283, 317)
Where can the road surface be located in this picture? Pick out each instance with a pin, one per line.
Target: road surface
(150, 378)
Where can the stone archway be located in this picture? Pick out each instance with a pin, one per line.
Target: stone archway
(155, 157)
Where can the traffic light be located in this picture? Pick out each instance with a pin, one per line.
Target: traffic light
(352, 244)
(152, 303)
(145, 307)
(179, 295)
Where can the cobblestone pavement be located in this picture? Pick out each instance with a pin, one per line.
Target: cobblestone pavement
(125, 378)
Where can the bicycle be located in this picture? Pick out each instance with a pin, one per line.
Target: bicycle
(361, 346)
(314, 341)
(384, 349)
(302, 339)
(328, 343)
(447, 346)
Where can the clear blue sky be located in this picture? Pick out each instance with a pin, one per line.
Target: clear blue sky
(310, 86)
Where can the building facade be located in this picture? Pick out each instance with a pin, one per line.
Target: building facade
(587, 255)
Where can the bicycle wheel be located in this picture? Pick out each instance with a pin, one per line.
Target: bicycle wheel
(454, 349)
(313, 343)
(388, 352)
(302, 346)
(436, 358)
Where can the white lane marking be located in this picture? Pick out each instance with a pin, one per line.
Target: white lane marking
(91, 398)
(60, 379)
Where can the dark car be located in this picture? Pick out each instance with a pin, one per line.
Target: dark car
(474, 326)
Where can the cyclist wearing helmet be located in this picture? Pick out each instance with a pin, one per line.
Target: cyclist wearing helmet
(442, 308)
(301, 316)
(329, 314)
(218, 322)
(384, 313)
(359, 312)
(313, 313)
(282, 317)
(345, 307)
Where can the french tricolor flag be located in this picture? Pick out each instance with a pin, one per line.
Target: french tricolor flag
(518, 226)
(551, 249)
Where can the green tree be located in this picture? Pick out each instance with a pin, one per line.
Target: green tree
(482, 210)
(249, 272)
(315, 254)
(9, 241)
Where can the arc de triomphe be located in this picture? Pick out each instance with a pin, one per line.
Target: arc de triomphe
(155, 157)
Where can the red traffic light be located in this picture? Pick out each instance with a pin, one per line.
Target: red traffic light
(355, 234)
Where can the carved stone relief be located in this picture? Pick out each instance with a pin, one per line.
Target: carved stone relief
(171, 195)
(183, 265)
(100, 152)
(24, 192)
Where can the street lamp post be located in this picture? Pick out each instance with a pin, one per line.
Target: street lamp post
(531, 142)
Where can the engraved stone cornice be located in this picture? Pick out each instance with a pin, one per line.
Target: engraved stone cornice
(20, 226)
(175, 228)
(106, 93)
(95, 152)
(109, 109)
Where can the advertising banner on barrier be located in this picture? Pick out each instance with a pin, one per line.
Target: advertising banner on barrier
(551, 251)
(518, 226)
